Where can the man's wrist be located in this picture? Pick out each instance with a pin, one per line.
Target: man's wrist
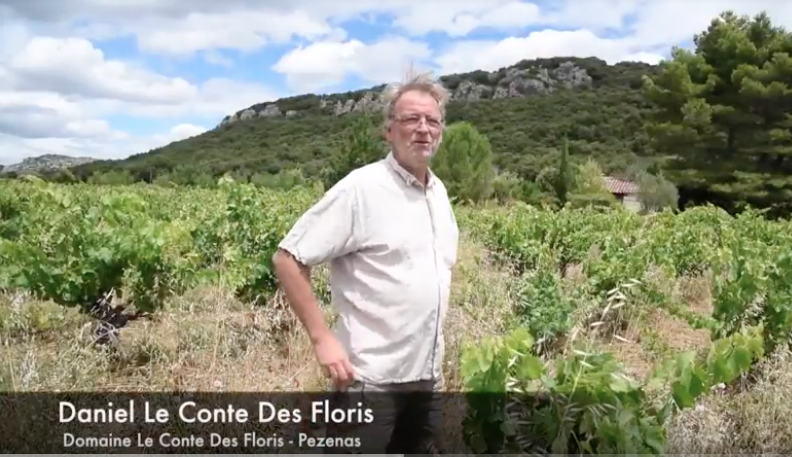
(319, 335)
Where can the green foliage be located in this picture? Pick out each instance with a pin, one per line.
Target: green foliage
(565, 179)
(112, 177)
(529, 395)
(76, 253)
(74, 244)
(604, 123)
(579, 186)
(724, 111)
(283, 180)
(544, 309)
(588, 187)
(715, 121)
(184, 175)
(546, 180)
(588, 179)
(531, 193)
(596, 200)
(656, 193)
(77, 244)
(583, 402)
(747, 256)
(464, 163)
(360, 147)
(507, 186)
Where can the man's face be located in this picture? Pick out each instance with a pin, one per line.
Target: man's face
(417, 128)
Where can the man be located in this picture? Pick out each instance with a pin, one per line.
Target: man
(390, 235)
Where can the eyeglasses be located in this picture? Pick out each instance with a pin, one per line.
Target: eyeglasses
(414, 120)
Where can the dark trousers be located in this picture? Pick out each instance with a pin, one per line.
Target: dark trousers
(407, 419)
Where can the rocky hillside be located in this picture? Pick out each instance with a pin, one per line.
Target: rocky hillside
(525, 110)
(47, 162)
(537, 77)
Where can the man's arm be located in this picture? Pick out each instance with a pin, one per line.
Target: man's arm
(327, 230)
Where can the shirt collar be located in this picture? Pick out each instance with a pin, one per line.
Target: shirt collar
(406, 175)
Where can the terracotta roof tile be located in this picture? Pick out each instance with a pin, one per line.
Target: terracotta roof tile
(620, 186)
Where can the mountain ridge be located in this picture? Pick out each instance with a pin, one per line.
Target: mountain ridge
(525, 110)
(46, 162)
(524, 78)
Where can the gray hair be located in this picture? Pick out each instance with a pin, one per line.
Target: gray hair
(423, 82)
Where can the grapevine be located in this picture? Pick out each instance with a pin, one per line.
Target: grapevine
(524, 398)
(120, 252)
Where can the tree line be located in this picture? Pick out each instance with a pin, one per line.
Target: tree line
(712, 125)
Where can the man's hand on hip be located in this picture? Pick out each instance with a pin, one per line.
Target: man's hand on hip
(334, 361)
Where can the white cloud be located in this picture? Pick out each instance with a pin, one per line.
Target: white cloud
(241, 30)
(649, 29)
(669, 22)
(35, 123)
(13, 37)
(657, 26)
(324, 64)
(217, 58)
(213, 99)
(183, 131)
(56, 95)
(73, 66)
(58, 90)
(67, 79)
(462, 17)
(464, 56)
(43, 114)
(113, 146)
(594, 15)
(186, 26)
(320, 65)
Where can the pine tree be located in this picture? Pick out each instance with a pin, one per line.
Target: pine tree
(724, 112)
(360, 146)
(464, 162)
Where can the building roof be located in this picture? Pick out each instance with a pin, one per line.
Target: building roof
(620, 186)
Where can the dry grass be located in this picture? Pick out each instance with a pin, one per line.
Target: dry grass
(481, 305)
(205, 341)
(209, 341)
(756, 420)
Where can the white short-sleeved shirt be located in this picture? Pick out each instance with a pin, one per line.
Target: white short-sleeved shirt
(391, 244)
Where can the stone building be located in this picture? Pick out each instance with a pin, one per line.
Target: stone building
(624, 191)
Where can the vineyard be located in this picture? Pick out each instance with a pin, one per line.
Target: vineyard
(549, 377)
(630, 263)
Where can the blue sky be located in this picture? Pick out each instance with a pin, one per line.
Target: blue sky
(110, 79)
